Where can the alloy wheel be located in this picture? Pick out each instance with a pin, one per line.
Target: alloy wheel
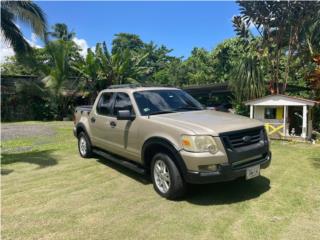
(161, 176)
(83, 146)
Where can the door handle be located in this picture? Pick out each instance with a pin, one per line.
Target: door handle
(92, 119)
(113, 124)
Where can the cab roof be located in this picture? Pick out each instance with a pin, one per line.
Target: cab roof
(130, 89)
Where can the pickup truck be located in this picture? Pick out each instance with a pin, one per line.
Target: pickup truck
(167, 134)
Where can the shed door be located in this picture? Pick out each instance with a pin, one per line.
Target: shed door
(295, 120)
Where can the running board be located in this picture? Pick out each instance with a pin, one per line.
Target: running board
(120, 161)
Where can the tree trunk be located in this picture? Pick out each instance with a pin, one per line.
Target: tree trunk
(288, 62)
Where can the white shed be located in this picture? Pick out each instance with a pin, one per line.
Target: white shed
(284, 116)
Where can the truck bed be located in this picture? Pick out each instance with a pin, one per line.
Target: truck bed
(81, 111)
(84, 108)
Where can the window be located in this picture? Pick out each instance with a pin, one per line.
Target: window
(270, 113)
(105, 104)
(164, 101)
(123, 102)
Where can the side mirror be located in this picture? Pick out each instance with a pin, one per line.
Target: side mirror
(125, 115)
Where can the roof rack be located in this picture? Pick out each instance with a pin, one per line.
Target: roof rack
(136, 85)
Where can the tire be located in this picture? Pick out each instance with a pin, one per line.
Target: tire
(84, 145)
(166, 178)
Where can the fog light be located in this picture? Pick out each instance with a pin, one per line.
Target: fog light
(208, 168)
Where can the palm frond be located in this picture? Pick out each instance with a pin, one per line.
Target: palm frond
(30, 13)
(27, 12)
(12, 33)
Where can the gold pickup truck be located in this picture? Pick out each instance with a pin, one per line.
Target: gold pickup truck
(166, 133)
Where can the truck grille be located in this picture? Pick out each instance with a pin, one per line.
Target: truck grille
(234, 140)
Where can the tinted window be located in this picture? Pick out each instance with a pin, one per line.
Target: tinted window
(105, 104)
(163, 101)
(122, 103)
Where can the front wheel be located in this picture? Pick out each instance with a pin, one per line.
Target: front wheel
(166, 178)
(84, 145)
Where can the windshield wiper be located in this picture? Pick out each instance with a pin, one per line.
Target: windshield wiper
(188, 108)
(161, 112)
(175, 110)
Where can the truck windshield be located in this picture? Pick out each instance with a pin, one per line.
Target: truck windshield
(152, 102)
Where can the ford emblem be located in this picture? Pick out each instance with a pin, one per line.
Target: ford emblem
(246, 139)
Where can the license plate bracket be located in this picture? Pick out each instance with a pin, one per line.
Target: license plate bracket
(252, 172)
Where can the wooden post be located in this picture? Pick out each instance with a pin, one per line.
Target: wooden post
(304, 121)
(251, 111)
(285, 110)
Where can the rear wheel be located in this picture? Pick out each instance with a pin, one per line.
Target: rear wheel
(84, 145)
(166, 178)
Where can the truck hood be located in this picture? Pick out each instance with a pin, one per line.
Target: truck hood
(207, 121)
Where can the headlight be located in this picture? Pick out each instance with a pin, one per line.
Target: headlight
(199, 144)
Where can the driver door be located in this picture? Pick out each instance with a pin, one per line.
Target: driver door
(123, 134)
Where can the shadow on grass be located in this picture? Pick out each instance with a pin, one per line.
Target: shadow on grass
(207, 194)
(6, 171)
(227, 192)
(41, 158)
(123, 170)
(316, 162)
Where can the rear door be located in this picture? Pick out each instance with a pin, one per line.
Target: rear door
(100, 120)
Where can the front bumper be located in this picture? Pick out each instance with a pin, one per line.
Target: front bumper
(225, 172)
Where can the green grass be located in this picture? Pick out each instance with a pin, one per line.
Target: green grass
(49, 192)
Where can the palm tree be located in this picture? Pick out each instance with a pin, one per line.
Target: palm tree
(58, 79)
(27, 12)
(281, 25)
(247, 77)
(61, 31)
(247, 80)
(124, 41)
(312, 36)
(59, 54)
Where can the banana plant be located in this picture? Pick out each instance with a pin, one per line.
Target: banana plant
(123, 66)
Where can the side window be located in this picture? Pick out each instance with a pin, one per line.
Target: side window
(123, 102)
(270, 113)
(104, 106)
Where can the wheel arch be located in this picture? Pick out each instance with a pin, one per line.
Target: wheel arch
(156, 145)
(80, 127)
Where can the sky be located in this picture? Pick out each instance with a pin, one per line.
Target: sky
(180, 26)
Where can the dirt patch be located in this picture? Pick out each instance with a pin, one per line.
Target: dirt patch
(13, 131)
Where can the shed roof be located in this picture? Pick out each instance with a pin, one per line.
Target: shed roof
(281, 100)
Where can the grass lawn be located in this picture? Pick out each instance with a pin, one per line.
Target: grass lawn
(49, 192)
